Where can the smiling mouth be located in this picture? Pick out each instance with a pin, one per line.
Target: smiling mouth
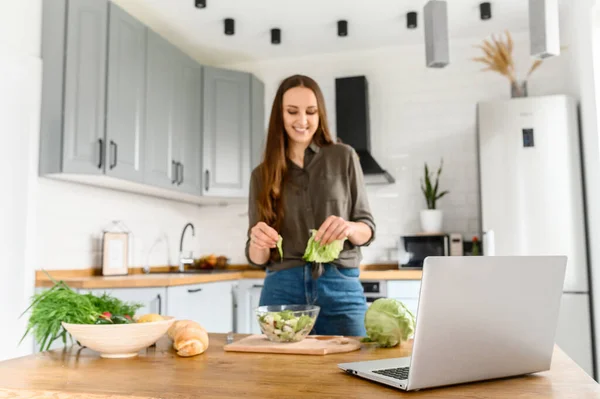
(303, 130)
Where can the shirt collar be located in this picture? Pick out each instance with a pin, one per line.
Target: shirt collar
(315, 148)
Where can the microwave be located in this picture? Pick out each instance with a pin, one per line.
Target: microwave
(413, 249)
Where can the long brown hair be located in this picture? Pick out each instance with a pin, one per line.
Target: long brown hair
(274, 165)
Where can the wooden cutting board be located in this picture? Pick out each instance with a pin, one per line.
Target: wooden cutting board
(311, 345)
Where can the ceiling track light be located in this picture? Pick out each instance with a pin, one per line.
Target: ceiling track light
(342, 26)
(229, 26)
(485, 10)
(411, 20)
(200, 3)
(275, 36)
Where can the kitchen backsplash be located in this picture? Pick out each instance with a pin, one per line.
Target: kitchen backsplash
(417, 115)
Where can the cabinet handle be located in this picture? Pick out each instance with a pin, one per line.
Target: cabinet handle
(101, 151)
(257, 286)
(114, 146)
(175, 171)
(180, 175)
(159, 303)
(193, 290)
(206, 180)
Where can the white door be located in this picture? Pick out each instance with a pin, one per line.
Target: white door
(573, 334)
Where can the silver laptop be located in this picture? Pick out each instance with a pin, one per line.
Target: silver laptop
(478, 318)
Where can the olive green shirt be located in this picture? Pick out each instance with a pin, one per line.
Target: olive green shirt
(331, 183)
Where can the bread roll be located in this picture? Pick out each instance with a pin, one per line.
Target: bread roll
(189, 338)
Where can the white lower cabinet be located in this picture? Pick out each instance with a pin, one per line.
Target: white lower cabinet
(247, 297)
(406, 291)
(209, 304)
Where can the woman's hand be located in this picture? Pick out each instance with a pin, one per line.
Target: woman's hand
(333, 228)
(263, 236)
(336, 228)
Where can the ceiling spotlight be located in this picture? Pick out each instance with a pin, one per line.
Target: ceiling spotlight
(411, 20)
(485, 10)
(342, 28)
(229, 26)
(200, 3)
(275, 35)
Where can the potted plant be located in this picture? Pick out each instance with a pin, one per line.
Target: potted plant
(431, 218)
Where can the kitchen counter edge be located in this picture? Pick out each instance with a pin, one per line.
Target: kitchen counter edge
(166, 279)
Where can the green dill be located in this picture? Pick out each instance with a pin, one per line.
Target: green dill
(107, 303)
(62, 304)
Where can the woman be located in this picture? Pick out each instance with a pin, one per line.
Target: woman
(307, 182)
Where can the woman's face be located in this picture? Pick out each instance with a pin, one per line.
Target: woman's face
(300, 115)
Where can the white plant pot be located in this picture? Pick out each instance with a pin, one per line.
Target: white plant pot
(431, 220)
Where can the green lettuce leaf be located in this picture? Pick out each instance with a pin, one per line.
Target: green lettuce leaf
(280, 247)
(315, 252)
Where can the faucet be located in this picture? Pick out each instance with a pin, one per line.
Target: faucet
(185, 260)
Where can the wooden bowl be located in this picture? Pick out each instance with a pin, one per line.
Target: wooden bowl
(119, 340)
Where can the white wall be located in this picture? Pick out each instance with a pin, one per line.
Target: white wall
(584, 68)
(20, 83)
(417, 115)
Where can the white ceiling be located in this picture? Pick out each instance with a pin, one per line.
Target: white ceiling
(309, 27)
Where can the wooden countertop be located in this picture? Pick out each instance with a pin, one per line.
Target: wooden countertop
(85, 279)
(159, 373)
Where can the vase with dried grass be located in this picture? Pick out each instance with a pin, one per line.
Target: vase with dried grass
(498, 57)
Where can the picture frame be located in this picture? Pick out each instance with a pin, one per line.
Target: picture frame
(115, 254)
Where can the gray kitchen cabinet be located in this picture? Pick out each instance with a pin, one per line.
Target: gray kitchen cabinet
(209, 304)
(153, 299)
(187, 148)
(173, 118)
(126, 94)
(160, 167)
(124, 108)
(226, 132)
(74, 43)
(257, 112)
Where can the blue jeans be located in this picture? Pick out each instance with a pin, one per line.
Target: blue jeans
(337, 291)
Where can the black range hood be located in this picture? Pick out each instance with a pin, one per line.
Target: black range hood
(352, 125)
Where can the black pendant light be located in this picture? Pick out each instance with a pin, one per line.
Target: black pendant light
(276, 36)
(342, 26)
(229, 26)
(411, 20)
(200, 3)
(485, 10)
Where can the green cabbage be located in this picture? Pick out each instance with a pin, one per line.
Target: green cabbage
(388, 322)
(315, 252)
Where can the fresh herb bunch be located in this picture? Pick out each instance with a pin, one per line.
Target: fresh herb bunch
(61, 304)
(107, 303)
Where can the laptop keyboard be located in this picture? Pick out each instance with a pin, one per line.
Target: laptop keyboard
(400, 373)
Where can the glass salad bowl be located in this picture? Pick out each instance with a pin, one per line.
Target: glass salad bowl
(287, 323)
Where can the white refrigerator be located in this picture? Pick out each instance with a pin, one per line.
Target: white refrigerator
(532, 200)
